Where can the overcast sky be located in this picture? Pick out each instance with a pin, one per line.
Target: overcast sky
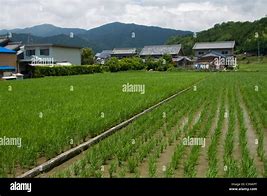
(194, 15)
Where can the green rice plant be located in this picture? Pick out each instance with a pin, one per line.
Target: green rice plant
(132, 164)
(152, 168)
(112, 168)
(169, 172)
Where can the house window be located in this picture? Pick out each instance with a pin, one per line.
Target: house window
(44, 52)
(225, 52)
(30, 52)
(200, 53)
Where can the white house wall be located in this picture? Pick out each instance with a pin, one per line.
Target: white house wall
(72, 55)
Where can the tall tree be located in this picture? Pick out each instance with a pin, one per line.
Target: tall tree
(87, 56)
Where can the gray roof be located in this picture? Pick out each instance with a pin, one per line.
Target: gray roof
(161, 50)
(13, 45)
(214, 45)
(104, 54)
(124, 51)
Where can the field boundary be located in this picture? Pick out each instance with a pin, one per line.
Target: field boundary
(65, 156)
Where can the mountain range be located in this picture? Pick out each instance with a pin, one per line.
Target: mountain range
(109, 36)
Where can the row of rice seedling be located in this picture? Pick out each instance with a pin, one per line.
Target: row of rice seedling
(203, 131)
(247, 163)
(231, 167)
(213, 147)
(254, 95)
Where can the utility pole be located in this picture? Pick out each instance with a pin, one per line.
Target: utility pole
(258, 50)
(257, 37)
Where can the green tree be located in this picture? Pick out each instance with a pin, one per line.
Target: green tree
(168, 58)
(87, 56)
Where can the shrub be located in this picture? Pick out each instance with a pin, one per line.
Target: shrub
(113, 64)
(158, 64)
(137, 63)
(151, 64)
(126, 64)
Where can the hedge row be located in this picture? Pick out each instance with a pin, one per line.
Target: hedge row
(112, 65)
(37, 72)
(136, 63)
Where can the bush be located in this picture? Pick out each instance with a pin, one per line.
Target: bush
(41, 71)
(113, 64)
(126, 64)
(134, 63)
(137, 63)
(158, 64)
(151, 64)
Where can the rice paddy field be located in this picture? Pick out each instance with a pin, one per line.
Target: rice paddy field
(52, 115)
(216, 129)
(228, 110)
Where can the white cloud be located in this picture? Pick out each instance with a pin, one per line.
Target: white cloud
(192, 15)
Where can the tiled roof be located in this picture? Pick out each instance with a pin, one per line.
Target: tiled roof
(214, 45)
(13, 45)
(104, 54)
(124, 51)
(160, 50)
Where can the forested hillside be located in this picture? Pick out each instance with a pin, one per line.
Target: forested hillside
(242, 32)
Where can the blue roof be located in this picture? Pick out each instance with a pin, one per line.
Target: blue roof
(7, 67)
(5, 50)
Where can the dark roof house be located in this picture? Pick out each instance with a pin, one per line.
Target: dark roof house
(222, 48)
(104, 54)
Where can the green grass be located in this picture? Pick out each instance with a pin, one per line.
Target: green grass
(54, 114)
(258, 67)
(252, 63)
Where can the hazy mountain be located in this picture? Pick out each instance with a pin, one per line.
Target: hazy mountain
(109, 36)
(57, 39)
(45, 30)
(120, 35)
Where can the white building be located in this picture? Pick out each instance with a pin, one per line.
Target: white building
(52, 52)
